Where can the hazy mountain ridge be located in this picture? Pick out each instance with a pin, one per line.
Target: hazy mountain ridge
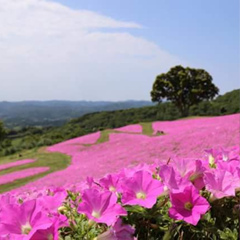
(55, 113)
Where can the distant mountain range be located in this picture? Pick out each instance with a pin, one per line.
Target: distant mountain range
(55, 113)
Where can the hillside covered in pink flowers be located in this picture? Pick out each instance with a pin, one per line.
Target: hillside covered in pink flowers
(161, 180)
(128, 146)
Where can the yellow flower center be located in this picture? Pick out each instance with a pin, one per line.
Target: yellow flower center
(112, 189)
(141, 195)
(96, 214)
(26, 229)
(62, 209)
(165, 188)
(188, 206)
(50, 237)
(211, 159)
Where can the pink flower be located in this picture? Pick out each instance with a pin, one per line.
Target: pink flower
(6, 199)
(230, 166)
(119, 231)
(141, 189)
(50, 204)
(212, 155)
(90, 182)
(49, 233)
(110, 182)
(53, 190)
(221, 183)
(229, 154)
(222, 155)
(188, 205)
(172, 179)
(189, 168)
(22, 221)
(102, 207)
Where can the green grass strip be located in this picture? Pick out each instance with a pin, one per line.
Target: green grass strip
(55, 162)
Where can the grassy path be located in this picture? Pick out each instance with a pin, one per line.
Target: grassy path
(55, 162)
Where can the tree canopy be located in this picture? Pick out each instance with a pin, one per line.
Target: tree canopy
(2, 132)
(184, 87)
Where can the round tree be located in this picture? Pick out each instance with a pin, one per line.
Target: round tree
(184, 87)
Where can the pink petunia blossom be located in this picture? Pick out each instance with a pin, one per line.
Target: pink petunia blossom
(102, 207)
(91, 183)
(22, 221)
(111, 182)
(191, 170)
(50, 204)
(221, 183)
(119, 231)
(6, 199)
(212, 156)
(49, 233)
(230, 166)
(188, 205)
(171, 179)
(141, 189)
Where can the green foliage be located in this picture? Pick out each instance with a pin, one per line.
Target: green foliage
(222, 105)
(2, 132)
(184, 87)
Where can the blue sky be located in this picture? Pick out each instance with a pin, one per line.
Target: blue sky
(201, 34)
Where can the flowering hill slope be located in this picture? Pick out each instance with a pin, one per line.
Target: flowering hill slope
(183, 138)
(157, 183)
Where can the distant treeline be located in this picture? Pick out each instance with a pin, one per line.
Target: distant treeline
(56, 113)
(31, 137)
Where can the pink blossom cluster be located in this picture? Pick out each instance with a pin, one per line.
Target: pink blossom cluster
(72, 146)
(182, 138)
(10, 177)
(34, 216)
(105, 200)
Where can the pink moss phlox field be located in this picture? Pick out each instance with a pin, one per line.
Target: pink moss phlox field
(135, 128)
(73, 146)
(183, 138)
(10, 177)
(17, 163)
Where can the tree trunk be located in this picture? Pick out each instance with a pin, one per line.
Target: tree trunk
(184, 112)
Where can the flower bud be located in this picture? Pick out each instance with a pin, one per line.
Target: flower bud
(62, 209)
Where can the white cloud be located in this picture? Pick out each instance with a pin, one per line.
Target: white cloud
(49, 51)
